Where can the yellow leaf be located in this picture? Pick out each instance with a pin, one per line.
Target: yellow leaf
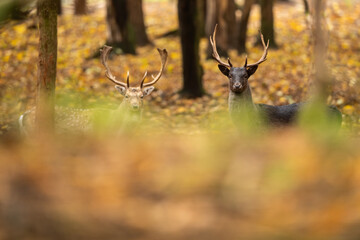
(170, 68)
(6, 58)
(181, 110)
(348, 109)
(296, 26)
(14, 42)
(20, 29)
(20, 56)
(175, 55)
(345, 45)
(218, 94)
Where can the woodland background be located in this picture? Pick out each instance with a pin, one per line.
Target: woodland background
(187, 172)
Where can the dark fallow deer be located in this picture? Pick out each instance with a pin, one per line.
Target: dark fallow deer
(240, 98)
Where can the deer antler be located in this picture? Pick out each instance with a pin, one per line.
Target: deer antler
(215, 53)
(163, 54)
(263, 57)
(143, 79)
(104, 57)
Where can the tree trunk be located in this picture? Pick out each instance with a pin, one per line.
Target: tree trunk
(230, 20)
(59, 7)
(211, 19)
(190, 29)
(136, 15)
(119, 34)
(243, 25)
(322, 76)
(80, 7)
(47, 13)
(221, 12)
(267, 22)
(306, 7)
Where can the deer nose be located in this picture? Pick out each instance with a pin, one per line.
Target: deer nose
(237, 85)
(135, 107)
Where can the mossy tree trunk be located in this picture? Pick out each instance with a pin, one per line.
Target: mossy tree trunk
(47, 13)
(190, 30)
(120, 35)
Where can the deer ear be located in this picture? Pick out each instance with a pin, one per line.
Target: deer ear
(251, 70)
(148, 90)
(121, 89)
(224, 70)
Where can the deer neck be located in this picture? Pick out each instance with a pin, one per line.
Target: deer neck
(239, 102)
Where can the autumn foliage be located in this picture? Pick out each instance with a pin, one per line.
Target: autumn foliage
(186, 172)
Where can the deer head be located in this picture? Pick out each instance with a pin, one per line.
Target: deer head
(133, 96)
(238, 76)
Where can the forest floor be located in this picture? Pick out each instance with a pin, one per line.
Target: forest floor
(285, 78)
(189, 174)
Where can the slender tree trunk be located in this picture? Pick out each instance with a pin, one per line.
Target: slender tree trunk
(316, 115)
(230, 20)
(201, 17)
(267, 22)
(47, 13)
(221, 12)
(243, 26)
(306, 7)
(136, 18)
(190, 30)
(211, 19)
(119, 34)
(80, 7)
(322, 76)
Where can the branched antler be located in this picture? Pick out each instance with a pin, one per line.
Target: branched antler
(163, 54)
(263, 57)
(143, 79)
(229, 65)
(215, 53)
(104, 57)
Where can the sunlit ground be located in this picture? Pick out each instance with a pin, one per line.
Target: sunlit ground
(186, 172)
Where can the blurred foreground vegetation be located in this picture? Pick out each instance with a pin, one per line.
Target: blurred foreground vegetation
(280, 185)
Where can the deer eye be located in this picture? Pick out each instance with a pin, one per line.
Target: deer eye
(126, 96)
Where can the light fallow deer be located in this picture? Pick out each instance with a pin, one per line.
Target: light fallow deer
(129, 111)
(133, 96)
(240, 101)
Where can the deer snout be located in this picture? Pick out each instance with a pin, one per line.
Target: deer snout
(237, 85)
(135, 107)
